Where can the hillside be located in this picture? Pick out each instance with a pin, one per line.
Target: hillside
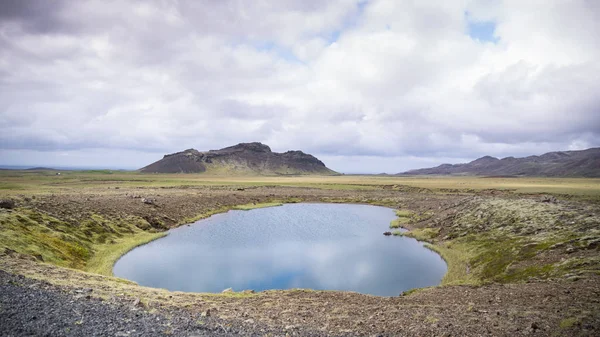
(244, 158)
(585, 163)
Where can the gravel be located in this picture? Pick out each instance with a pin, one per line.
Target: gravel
(32, 308)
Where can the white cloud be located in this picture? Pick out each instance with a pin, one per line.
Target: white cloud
(398, 83)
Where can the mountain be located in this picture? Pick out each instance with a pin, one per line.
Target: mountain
(244, 158)
(584, 163)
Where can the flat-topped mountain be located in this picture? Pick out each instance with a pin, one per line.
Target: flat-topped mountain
(244, 158)
(585, 163)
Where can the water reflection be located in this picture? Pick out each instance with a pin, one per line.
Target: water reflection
(317, 246)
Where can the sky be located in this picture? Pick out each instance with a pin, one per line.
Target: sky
(366, 86)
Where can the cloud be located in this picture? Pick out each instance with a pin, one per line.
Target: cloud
(399, 84)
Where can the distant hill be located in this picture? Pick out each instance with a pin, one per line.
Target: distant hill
(584, 163)
(41, 169)
(244, 158)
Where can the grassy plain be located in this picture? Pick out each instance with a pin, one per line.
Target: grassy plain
(12, 182)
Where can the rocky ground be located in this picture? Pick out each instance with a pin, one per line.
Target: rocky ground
(552, 290)
(29, 308)
(86, 304)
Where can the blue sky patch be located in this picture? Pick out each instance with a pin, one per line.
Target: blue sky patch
(282, 52)
(482, 31)
(350, 23)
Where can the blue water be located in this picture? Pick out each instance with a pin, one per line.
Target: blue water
(316, 246)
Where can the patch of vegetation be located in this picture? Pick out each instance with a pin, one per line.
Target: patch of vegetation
(223, 209)
(44, 237)
(248, 207)
(569, 322)
(457, 258)
(106, 255)
(93, 244)
(419, 217)
(403, 217)
(48, 182)
(499, 240)
(422, 234)
(206, 214)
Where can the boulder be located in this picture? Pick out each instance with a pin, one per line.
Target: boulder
(548, 199)
(148, 201)
(7, 203)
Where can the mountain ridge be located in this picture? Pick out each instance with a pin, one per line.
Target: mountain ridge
(243, 158)
(583, 163)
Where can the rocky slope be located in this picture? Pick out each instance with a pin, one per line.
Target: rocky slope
(584, 163)
(244, 158)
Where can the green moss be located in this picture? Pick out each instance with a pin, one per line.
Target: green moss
(493, 253)
(419, 217)
(568, 322)
(398, 222)
(457, 258)
(94, 244)
(403, 217)
(403, 213)
(36, 234)
(414, 291)
(514, 275)
(423, 234)
(106, 255)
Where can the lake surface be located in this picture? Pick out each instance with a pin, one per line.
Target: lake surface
(316, 246)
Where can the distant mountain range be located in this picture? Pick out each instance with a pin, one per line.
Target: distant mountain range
(244, 158)
(584, 163)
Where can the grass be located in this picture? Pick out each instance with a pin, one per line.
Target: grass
(403, 217)
(106, 255)
(248, 207)
(457, 258)
(458, 261)
(12, 182)
(421, 234)
(92, 245)
(44, 237)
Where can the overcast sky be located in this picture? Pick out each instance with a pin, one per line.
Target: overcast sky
(366, 86)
